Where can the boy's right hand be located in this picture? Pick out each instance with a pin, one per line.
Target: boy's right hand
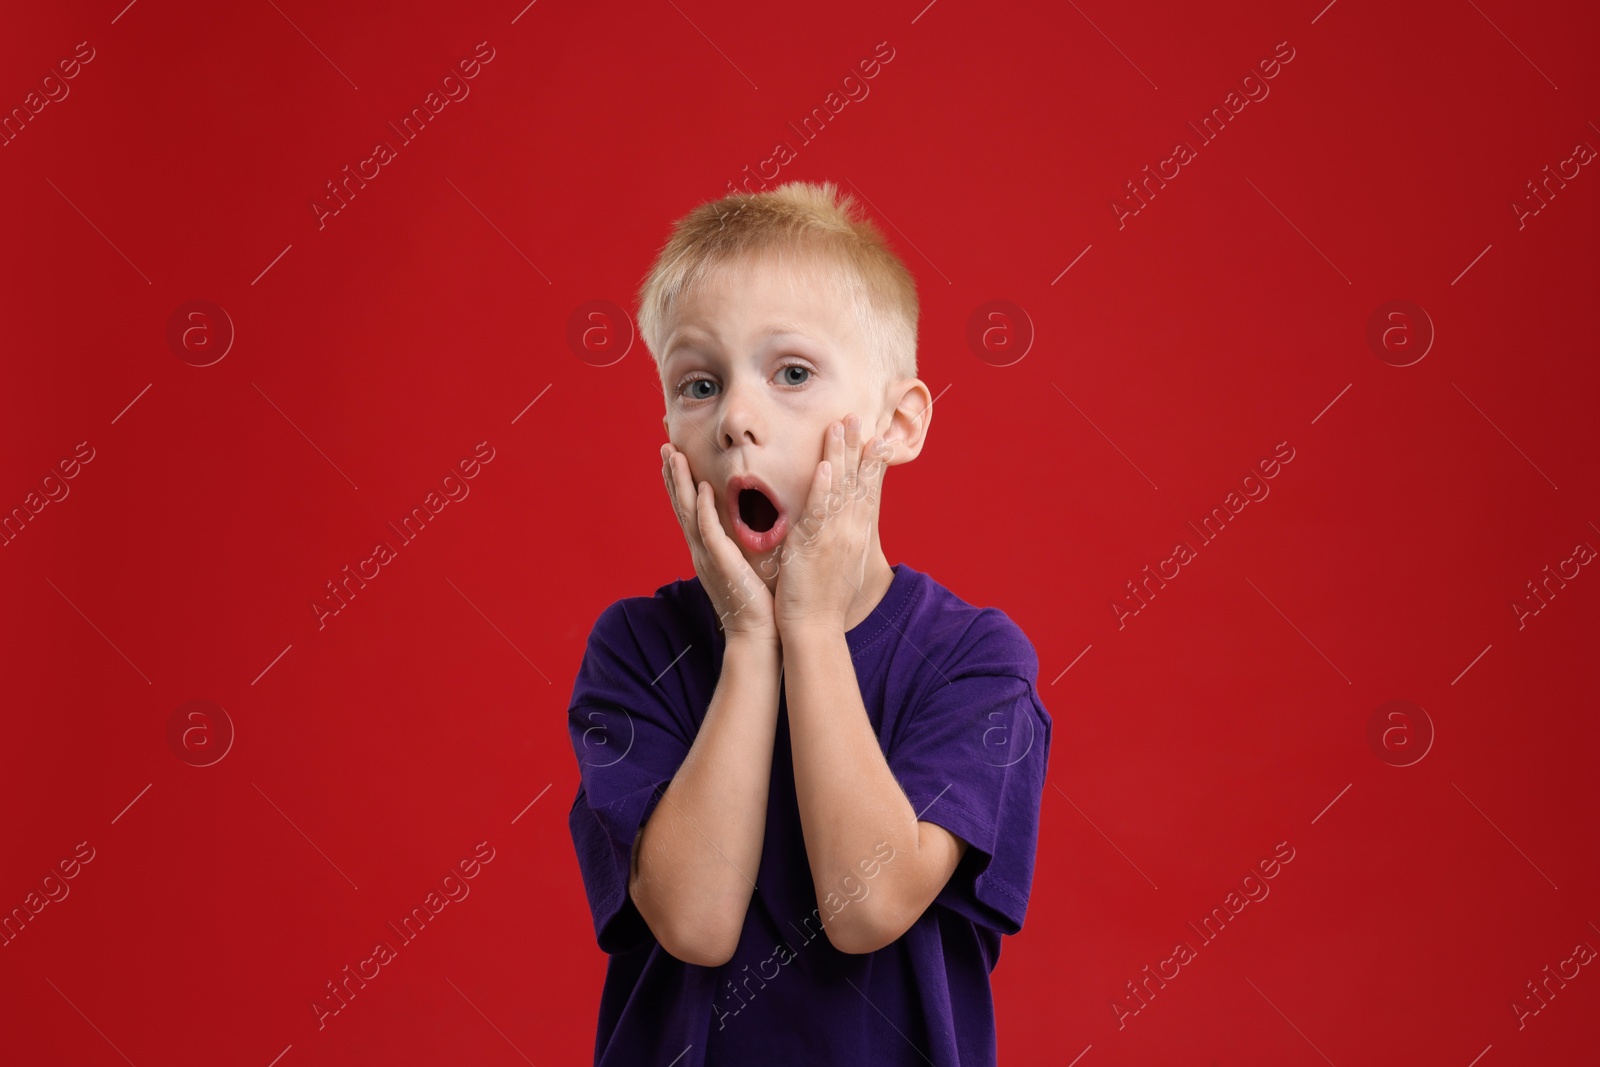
(742, 601)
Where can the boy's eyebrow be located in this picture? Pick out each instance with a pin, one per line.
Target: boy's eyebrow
(779, 328)
(776, 329)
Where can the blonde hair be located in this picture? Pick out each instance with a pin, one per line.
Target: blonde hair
(793, 222)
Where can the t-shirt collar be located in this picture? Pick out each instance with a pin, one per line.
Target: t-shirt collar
(889, 611)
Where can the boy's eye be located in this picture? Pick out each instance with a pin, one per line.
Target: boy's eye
(785, 377)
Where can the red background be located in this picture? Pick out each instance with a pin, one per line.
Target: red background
(373, 353)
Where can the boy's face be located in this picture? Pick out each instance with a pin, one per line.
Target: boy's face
(754, 375)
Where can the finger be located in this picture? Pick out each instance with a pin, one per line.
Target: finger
(705, 509)
(719, 547)
(709, 527)
(843, 455)
(829, 498)
(684, 493)
(690, 494)
(852, 457)
(884, 450)
(803, 530)
(874, 468)
(666, 480)
(669, 471)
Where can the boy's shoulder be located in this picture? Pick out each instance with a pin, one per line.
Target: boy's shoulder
(677, 607)
(978, 638)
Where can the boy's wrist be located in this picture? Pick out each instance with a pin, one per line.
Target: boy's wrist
(768, 641)
(810, 632)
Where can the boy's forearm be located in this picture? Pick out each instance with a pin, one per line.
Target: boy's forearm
(697, 856)
(850, 803)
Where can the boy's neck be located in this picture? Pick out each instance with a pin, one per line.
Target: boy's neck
(874, 587)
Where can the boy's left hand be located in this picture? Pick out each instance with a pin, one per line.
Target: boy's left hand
(824, 556)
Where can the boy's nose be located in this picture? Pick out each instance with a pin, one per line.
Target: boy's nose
(739, 420)
(738, 428)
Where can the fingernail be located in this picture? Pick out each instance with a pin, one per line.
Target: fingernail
(838, 430)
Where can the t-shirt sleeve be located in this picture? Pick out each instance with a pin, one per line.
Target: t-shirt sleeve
(972, 759)
(629, 739)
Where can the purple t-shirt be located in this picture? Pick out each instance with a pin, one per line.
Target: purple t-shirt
(950, 691)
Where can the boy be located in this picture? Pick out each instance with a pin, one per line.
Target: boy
(810, 780)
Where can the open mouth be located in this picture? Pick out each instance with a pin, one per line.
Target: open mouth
(756, 510)
(759, 522)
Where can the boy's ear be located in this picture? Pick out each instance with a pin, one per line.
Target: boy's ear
(909, 421)
(664, 426)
